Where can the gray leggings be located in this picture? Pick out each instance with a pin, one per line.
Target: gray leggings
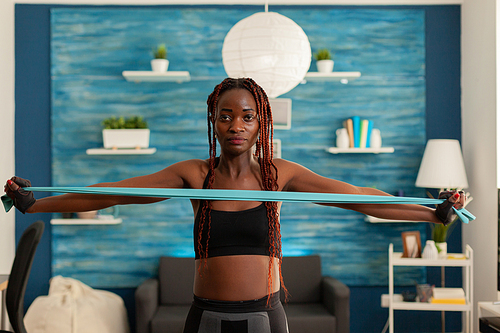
(209, 316)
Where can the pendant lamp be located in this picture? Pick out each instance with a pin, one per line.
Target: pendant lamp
(269, 48)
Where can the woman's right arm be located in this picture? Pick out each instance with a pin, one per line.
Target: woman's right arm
(175, 176)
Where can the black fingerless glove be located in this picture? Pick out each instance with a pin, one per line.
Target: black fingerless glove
(23, 199)
(444, 211)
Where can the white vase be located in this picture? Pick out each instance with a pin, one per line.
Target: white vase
(375, 139)
(324, 66)
(159, 65)
(430, 250)
(342, 138)
(442, 250)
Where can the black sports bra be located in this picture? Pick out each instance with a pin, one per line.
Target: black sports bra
(243, 232)
(234, 233)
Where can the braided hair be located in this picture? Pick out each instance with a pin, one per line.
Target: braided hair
(264, 153)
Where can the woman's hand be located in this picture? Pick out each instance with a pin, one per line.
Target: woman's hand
(444, 211)
(23, 200)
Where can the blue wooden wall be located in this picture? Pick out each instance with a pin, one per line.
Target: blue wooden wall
(90, 47)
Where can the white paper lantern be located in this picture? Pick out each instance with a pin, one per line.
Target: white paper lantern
(269, 48)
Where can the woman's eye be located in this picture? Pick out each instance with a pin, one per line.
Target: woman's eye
(249, 117)
(224, 117)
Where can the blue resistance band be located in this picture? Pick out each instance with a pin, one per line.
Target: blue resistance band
(246, 195)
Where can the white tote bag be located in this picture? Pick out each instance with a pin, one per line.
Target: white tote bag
(73, 307)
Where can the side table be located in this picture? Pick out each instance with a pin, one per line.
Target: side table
(488, 309)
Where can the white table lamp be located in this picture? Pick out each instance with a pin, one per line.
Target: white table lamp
(442, 166)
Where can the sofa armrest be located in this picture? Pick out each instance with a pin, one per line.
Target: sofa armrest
(146, 304)
(336, 299)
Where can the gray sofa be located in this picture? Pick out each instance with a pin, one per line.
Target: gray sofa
(316, 304)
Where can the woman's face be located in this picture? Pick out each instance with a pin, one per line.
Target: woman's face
(236, 121)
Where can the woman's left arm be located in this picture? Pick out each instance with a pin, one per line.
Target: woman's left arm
(296, 178)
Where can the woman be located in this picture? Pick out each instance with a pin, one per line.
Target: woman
(238, 265)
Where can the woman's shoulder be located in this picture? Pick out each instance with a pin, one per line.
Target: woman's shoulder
(285, 165)
(187, 173)
(192, 165)
(287, 170)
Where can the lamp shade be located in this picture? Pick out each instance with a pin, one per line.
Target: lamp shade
(442, 166)
(269, 48)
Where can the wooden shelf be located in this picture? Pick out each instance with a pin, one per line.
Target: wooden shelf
(335, 150)
(343, 77)
(104, 220)
(121, 151)
(150, 76)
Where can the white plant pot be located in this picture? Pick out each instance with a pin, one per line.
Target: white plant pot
(442, 250)
(125, 138)
(324, 66)
(159, 65)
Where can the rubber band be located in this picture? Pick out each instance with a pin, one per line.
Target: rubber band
(249, 195)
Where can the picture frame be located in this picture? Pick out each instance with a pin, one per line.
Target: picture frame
(412, 246)
(277, 148)
(282, 113)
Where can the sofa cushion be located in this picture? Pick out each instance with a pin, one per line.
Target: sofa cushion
(302, 278)
(309, 318)
(176, 277)
(169, 319)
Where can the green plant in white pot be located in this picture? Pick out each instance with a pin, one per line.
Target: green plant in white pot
(441, 232)
(124, 132)
(324, 60)
(160, 62)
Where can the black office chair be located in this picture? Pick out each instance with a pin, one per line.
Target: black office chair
(19, 275)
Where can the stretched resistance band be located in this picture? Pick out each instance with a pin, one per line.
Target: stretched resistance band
(247, 195)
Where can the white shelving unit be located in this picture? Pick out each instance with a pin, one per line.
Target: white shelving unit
(150, 76)
(395, 259)
(343, 77)
(121, 151)
(335, 150)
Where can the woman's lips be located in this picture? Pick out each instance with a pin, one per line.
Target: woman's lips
(236, 141)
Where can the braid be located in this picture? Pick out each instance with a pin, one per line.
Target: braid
(264, 153)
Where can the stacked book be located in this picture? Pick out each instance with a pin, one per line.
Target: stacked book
(359, 131)
(448, 296)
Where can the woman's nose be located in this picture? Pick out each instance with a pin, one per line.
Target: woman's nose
(237, 125)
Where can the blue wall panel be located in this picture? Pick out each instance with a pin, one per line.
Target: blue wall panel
(90, 47)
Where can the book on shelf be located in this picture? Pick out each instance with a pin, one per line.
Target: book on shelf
(364, 140)
(359, 131)
(356, 124)
(369, 133)
(348, 125)
(448, 296)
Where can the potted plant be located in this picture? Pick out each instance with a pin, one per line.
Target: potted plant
(160, 62)
(440, 232)
(324, 61)
(124, 132)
